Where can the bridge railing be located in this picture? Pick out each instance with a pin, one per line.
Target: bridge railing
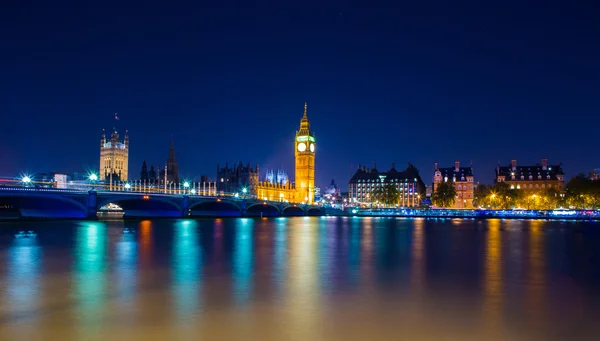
(121, 190)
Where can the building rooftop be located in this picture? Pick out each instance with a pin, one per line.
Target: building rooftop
(538, 172)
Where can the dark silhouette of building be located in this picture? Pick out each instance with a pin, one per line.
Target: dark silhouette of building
(152, 175)
(144, 172)
(236, 178)
(172, 166)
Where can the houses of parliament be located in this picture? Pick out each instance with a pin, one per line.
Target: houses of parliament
(114, 166)
(114, 163)
(277, 186)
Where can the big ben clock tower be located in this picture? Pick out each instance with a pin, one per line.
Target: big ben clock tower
(304, 152)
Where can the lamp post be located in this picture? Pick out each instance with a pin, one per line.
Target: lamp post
(93, 178)
(186, 186)
(26, 180)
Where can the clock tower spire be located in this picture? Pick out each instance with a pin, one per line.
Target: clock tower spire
(304, 152)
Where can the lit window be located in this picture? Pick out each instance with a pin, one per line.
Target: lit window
(512, 186)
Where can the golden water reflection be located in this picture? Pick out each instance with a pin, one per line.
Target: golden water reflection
(298, 279)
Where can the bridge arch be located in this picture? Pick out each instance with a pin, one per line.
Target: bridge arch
(224, 208)
(35, 204)
(138, 206)
(293, 211)
(263, 209)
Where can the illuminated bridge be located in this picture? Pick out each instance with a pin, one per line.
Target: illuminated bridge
(29, 202)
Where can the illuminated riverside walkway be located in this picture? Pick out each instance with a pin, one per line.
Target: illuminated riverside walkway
(479, 214)
(28, 202)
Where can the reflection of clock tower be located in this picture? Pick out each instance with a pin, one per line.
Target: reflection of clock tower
(305, 162)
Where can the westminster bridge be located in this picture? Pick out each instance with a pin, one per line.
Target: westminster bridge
(51, 203)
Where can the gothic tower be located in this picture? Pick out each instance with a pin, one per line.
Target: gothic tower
(172, 166)
(304, 147)
(114, 158)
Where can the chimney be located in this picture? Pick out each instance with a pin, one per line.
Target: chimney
(456, 166)
(359, 166)
(435, 166)
(514, 164)
(544, 164)
(393, 166)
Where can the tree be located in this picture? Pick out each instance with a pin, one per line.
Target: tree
(444, 195)
(583, 192)
(391, 195)
(386, 194)
(481, 196)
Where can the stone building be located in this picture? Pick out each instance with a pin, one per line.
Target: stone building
(234, 179)
(366, 183)
(463, 180)
(531, 177)
(114, 158)
(276, 186)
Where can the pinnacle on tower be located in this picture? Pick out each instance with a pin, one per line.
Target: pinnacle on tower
(304, 124)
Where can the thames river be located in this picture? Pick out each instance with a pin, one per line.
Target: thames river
(317, 278)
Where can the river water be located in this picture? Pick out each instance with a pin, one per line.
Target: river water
(317, 278)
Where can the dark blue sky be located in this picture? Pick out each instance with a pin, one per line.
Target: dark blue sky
(420, 82)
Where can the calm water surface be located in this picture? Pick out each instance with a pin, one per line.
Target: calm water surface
(300, 279)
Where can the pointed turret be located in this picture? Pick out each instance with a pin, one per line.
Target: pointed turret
(172, 166)
(172, 151)
(144, 172)
(304, 123)
(114, 138)
(102, 139)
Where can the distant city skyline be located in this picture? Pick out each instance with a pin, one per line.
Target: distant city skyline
(414, 82)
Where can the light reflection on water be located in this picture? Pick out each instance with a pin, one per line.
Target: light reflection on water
(89, 276)
(300, 278)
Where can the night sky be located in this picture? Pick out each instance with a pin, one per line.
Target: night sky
(419, 82)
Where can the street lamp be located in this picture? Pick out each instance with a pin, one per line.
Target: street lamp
(93, 177)
(244, 190)
(127, 186)
(26, 180)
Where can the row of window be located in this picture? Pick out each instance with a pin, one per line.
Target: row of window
(379, 185)
(461, 179)
(119, 164)
(531, 186)
(382, 180)
(539, 177)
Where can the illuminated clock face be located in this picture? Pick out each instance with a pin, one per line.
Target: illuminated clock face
(312, 147)
(301, 147)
